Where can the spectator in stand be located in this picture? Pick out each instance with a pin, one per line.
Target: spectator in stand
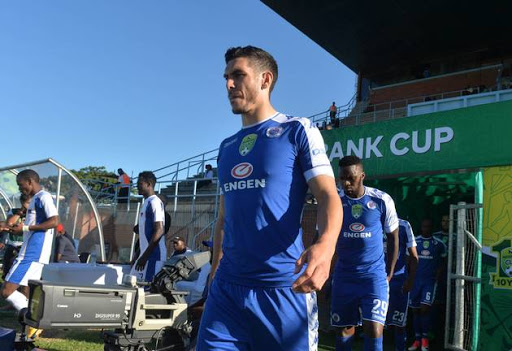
(332, 113)
(123, 182)
(426, 72)
(65, 250)
(180, 246)
(208, 175)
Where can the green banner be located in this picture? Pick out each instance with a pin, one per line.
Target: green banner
(463, 138)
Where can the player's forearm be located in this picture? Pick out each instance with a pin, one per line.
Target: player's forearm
(392, 251)
(155, 239)
(50, 223)
(13, 219)
(412, 266)
(329, 217)
(218, 237)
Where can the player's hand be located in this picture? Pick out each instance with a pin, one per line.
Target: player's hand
(318, 259)
(141, 263)
(407, 286)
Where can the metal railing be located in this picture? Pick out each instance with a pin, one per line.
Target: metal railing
(463, 278)
(187, 168)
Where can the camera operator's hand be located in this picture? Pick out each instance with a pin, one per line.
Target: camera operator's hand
(141, 263)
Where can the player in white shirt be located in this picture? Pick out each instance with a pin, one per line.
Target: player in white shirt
(41, 219)
(153, 252)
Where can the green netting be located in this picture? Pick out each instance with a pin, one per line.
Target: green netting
(427, 196)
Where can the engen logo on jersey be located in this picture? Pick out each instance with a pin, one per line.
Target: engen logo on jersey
(356, 227)
(371, 205)
(242, 170)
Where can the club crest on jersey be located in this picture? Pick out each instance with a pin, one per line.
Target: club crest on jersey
(356, 227)
(242, 170)
(357, 210)
(274, 132)
(247, 144)
(426, 244)
(371, 205)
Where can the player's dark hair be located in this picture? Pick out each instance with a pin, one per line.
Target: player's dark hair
(262, 59)
(27, 174)
(350, 160)
(149, 177)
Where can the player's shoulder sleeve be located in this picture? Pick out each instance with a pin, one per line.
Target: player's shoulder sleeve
(311, 149)
(389, 215)
(157, 206)
(442, 247)
(410, 240)
(48, 205)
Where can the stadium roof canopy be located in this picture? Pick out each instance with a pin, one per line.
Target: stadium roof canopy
(379, 38)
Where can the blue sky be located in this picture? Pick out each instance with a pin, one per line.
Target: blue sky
(138, 84)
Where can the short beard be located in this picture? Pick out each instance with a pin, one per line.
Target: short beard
(238, 111)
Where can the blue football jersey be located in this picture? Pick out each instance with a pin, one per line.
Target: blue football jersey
(406, 240)
(431, 251)
(263, 172)
(360, 246)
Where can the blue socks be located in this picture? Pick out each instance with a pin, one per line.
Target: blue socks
(344, 343)
(372, 344)
(417, 324)
(425, 324)
(400, 339)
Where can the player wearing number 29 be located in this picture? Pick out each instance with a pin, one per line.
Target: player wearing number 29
(360, 282)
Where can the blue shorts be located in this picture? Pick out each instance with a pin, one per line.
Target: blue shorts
(398, 302)
(23, 270)
(355, 298)
(255, 318)
(423, 292)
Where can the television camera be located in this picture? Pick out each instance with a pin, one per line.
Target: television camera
(143, 316)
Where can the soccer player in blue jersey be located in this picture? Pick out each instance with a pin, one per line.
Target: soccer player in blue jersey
(40, 221)
(432, 255)
(402, 283)
(262, 296)
(153, 252)
(361, 275)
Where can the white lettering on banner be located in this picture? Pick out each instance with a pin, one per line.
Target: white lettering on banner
(353, 150)
(400, 144)
(442, 135)
(428, 142)
(394, 139)
(372, 147)
(337, 151)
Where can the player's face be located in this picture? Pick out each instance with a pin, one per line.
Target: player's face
(426, 228)
(445, 223)
(351, 179)
(178, 245)
(244, 85)
(142, 187)
(25, 186)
